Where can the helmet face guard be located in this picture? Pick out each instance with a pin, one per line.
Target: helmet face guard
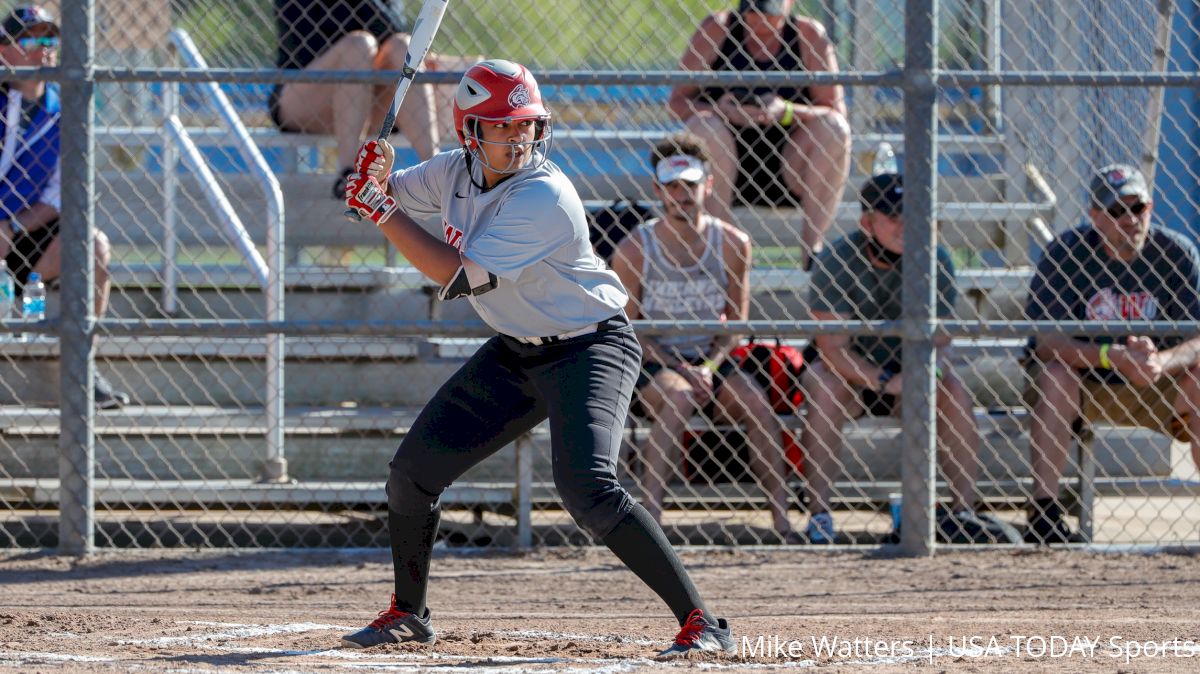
(536, 151)
(497, 91)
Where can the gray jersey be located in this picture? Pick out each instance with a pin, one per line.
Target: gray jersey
(530, 231)
(670, 292)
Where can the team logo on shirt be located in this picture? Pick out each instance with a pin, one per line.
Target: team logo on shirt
(519, 96)
(453, 235)
(1107, 305)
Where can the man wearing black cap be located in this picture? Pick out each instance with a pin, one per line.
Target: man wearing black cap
(858, 278)
(1119, 267)
(786, 146)
(29, 166)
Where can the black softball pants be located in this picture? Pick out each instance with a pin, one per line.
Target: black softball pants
(583, 387)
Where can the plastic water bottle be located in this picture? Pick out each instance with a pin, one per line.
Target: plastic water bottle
(7, 291)
(885, 160)
(34, 299)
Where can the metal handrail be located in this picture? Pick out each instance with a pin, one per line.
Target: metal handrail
(270, 271)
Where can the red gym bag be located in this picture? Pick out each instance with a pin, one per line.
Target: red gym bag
(776, 368)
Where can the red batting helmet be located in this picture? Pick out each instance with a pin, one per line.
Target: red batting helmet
(494, 91)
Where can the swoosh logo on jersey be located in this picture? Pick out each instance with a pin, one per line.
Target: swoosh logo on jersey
(460, 196)
(402, 633)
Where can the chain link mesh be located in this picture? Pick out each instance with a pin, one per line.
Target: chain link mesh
(182, 463)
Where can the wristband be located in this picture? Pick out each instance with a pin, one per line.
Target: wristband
(711, 366)
(789, 114)
(937, 372)
(1105, 363)
(15, 225)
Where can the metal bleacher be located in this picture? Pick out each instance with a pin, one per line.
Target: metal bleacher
(349, 399)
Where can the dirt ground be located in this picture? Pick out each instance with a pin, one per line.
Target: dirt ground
(580, 611)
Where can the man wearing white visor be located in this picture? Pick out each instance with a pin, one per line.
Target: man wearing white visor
(688, 265)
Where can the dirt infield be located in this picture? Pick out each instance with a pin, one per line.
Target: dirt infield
(1018, 611)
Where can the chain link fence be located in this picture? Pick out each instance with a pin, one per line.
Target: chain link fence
(215, 248)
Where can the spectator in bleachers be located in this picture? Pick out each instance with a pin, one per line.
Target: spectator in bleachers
(353, 35)
(859, 278)
(30, 194)
(1119, 267)
(689, 265)
(772, 147)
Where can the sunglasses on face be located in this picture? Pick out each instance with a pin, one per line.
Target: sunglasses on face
(1119, 210)
(31, 43)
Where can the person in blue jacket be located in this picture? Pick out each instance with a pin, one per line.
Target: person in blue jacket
(30, 194)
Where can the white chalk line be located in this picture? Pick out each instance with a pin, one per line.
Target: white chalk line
(27, 657)
(539, 634)
(239, 631)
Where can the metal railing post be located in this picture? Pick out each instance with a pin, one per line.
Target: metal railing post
(269, 271)
(76, 528)
(1162, 49)
(917, 417)
(170, 167)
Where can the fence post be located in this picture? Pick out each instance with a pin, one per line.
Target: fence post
(524, 491)
(76, 529)
(919, 274)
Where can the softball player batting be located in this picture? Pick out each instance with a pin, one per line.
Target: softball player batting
(516, 245)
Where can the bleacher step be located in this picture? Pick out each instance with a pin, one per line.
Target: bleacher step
(232, 373)
(356, 444)
(116, 493)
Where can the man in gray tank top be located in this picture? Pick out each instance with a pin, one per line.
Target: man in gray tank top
(515, 244)
(688, 265)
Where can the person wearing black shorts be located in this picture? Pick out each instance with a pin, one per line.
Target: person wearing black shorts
(787, 146)
(351, 35)
(30, 186)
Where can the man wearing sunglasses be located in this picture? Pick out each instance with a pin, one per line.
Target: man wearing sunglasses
(29, 166)
(689, 265)
(1119, 267)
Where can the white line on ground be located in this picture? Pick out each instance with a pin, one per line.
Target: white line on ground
(32, 657)
(537, 634)
(239, 631)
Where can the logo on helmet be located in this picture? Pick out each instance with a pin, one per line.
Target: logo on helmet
(519, 97)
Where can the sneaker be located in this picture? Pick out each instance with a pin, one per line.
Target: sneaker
(964, 527)
(698, 636)
(106, 397)
(339, 187)
(1047, 526)
(393, 626)
(820, 530)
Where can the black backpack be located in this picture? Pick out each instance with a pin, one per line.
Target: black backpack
(612, 222)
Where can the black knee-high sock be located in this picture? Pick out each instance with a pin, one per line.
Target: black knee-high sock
(638, 541)
(412, 549)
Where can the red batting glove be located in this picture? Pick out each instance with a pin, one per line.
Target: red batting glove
(375, 159)
(364, 194)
